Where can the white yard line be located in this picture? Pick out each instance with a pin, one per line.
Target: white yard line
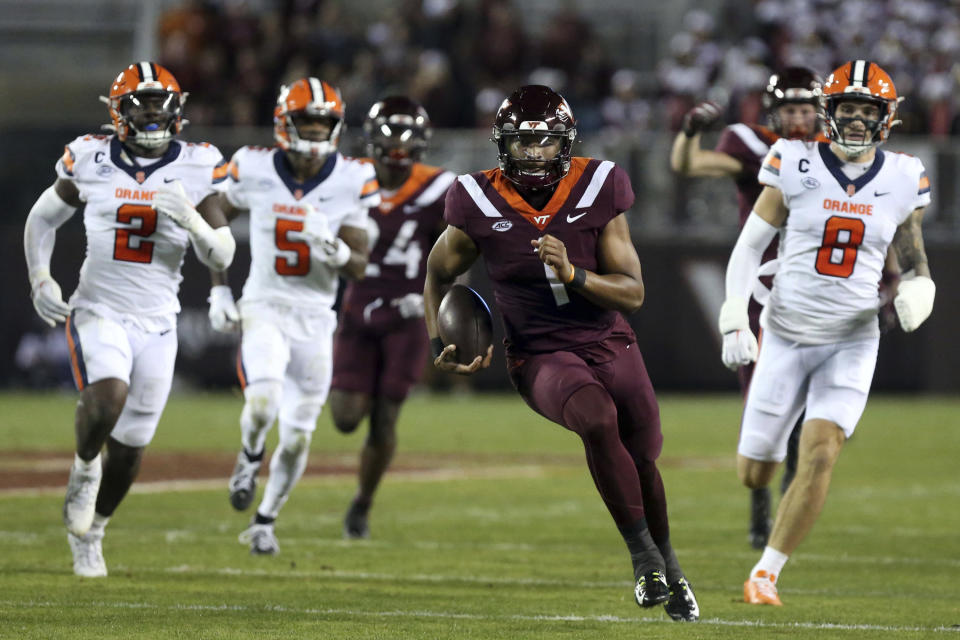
(410, 475)
(473, 616)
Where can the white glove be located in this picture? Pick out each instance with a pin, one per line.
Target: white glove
(224, 316)
(914, 301)
(172, 201)
(409, 306)
(739, 348)
(329, 249)
(739, 344)
(48, 299)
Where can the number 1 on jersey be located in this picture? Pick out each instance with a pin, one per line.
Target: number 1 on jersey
(843, 235)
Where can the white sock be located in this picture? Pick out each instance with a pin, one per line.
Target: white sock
(99, 523)
(253, 435)
(286, 466)
(772, 562)
(84, 466)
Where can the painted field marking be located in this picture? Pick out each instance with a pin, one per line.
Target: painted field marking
(475, 616)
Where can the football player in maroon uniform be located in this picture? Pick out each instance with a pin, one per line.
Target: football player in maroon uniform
(380, 347)
(557, 248)
(791, 99)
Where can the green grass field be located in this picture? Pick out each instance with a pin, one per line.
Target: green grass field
(494, 531)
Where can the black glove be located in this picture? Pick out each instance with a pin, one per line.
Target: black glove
(700, 117)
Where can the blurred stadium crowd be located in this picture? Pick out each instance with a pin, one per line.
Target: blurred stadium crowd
(460, 59)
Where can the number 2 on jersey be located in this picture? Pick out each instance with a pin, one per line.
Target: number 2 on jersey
(852, 229)
(143, 250)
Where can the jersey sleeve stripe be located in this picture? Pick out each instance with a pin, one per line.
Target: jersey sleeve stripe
(221, 171)
(924, 186)
(234, 170)
(436, 190)
(772, 163)
(68, 160)
(371, 187)
(596, 183)
(750, 138)
(476, 193)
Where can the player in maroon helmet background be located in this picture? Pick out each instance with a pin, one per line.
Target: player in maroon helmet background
(557, 248)
(380, 347)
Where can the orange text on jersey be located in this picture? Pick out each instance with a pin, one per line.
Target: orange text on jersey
(848, 207)
(134, 194)
(289, 208)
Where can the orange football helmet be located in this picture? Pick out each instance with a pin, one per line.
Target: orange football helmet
(860, 80)
(146, 105)
(313, 98)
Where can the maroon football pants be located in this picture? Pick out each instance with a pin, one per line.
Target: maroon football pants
(611, 405)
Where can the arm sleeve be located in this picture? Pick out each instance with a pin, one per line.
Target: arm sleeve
(39, 234)
(745, 259)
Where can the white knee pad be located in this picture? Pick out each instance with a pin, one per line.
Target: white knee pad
(293, 441)
(262, 402)
(300, 409)
(135, 428)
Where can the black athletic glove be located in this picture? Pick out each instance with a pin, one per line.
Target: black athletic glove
(700, 117)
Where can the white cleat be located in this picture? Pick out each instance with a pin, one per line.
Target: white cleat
(88, 555)
(243, 481)
(81, 498)
(262, 540)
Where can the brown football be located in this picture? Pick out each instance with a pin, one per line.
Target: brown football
(464, 320)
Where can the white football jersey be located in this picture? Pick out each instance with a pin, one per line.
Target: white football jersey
(134, 254)
(282, 269)
(835, 239)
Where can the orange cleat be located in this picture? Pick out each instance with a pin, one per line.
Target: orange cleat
(761, 588)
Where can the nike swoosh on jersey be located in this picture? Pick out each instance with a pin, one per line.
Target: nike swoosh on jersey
(877, 194)
(575, 218)
(169, 179)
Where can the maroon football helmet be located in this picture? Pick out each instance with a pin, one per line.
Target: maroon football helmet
(530, 124)
(397, 130)
(793, 85)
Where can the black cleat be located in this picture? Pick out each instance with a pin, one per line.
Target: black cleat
(759, 517)
(682, 605)
(355, 526)
(651, 589)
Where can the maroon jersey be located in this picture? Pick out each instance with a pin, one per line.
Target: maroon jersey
(539, 313)
(402, 230)
(749, 144)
